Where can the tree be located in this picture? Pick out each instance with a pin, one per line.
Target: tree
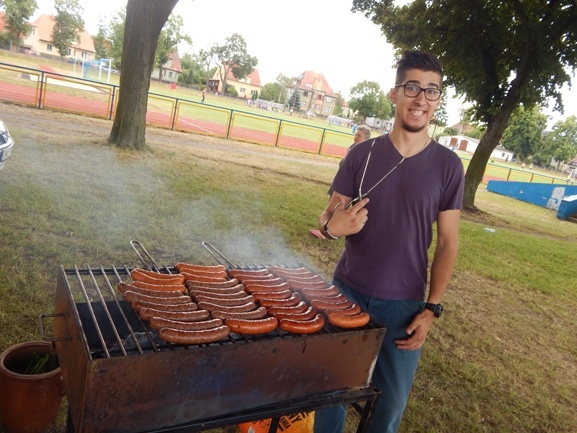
(284, 81)
(272, 92)
(68, 24)
(16, 19)
(170, 36)
(561, 142)
(368, 100)
(294, 101)
(496, 54)
(102, 45)
(524, 134)
(233, 57)
(144, 22)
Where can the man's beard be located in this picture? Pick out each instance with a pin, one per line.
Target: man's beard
(410, 128)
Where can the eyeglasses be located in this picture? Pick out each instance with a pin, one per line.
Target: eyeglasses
(412, 91)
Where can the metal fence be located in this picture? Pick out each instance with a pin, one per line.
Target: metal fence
(42, 88)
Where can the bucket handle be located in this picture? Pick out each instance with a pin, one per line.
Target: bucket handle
(45, 337)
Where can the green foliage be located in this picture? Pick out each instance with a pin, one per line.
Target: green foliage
(524, 135)
(368, 100)
(18, 12)
(273, 92)
(561, 142)
(68, 24)
(170, 36)
(101, 43)
(294, 101)
(233, 57)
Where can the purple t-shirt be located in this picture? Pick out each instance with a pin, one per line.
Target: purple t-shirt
(388, 258)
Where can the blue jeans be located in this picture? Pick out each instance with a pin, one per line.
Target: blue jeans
(394, 371)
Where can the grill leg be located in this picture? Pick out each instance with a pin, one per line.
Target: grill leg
(274, 422)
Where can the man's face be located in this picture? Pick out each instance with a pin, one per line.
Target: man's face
(414, 113)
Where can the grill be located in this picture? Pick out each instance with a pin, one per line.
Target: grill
(120, 378)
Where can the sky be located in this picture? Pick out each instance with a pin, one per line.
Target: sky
(291, 37)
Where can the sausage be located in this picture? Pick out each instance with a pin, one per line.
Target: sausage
(183, 316)
(333, 299)
(327, 291)
(290, 271)
(283, 294)
(125, 287)
(259, 326)
(298, 308)
(322, 305)
(212, 284)
(130, 296)
(203, 336)
(252, 288)
(265, 281)
(158, 287)
(160, 322)
(188, 267)
(293, 300)
(302, 326)
(354, 309)
(203, 277)
(309, 314)
(259, 313)
(225, 301)
(221, 290)
(248, 272)
(210, 306)
(160, 279)
(349, 321)
(216, 294)
(300, 285)
(140, 304)
(312, 279)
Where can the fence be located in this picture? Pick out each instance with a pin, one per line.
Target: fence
(46, 89)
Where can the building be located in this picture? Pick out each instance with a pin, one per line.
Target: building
(40, 41)
(315, 93)
(171, 70)
(469, 145)
(247, 87)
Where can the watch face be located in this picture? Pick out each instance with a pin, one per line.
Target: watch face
(438, 310)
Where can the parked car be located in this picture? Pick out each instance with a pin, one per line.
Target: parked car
(106, 68)
(6, 144)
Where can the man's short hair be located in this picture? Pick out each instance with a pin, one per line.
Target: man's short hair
(417, 60)
(365, 130)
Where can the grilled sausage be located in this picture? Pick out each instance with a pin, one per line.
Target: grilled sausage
(333, 299)
(289, 271)
(192, 268)
(211, 284)
(253, 288)
(204, 336)
(138, 274)
(139, 304)
(157, 287)
(130, 296)
(265, 281)
(234, 273)
(216, 294)
(298, 308)
(283, 294)
(160, 322)
(203, 277)
(293, 300)
(327, 291)
(260, 326)
(302, 326)
(259, 313)
(249, 306)
(349, 321)
(218, 290)
(183, 316)
(301, 285)
(309, 314)
(306, 280)
(125, 287)
(321, 305)
(225, 301)
(352, 310)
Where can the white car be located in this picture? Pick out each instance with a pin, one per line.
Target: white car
(6, 144)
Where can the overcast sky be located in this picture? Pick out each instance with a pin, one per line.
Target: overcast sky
(290, 37)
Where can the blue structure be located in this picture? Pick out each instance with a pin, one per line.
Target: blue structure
(556, 197)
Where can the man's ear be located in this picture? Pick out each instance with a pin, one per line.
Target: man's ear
(393, 95)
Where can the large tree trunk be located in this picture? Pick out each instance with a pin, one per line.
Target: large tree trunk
(144, 22)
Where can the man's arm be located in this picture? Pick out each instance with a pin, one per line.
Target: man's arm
(441, 270)
(341, 221)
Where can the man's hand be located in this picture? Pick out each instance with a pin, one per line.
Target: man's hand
(417, 331)
(345, 222)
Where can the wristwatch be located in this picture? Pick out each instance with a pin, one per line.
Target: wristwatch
(437, 309)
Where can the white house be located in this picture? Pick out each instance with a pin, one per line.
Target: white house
(469, 145)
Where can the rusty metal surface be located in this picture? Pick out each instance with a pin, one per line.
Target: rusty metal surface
(113, 389)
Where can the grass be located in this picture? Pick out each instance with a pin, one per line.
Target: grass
(503, 358)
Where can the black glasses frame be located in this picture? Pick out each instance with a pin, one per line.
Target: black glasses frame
(421, 89)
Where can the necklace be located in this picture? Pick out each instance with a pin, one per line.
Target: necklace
(361, 195)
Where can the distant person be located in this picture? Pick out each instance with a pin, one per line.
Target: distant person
(203, 95)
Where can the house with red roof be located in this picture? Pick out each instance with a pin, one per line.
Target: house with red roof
(40, 41)
(171, 70)
(247, 87)
(315, 93)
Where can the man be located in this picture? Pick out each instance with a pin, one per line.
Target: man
(405, 182)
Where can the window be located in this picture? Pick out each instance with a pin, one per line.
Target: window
(328, 99)
(170, 74)
(49, 47)
(327, 109)
(242, 90)
(306, 94)
(68, 51)
(83, 54)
